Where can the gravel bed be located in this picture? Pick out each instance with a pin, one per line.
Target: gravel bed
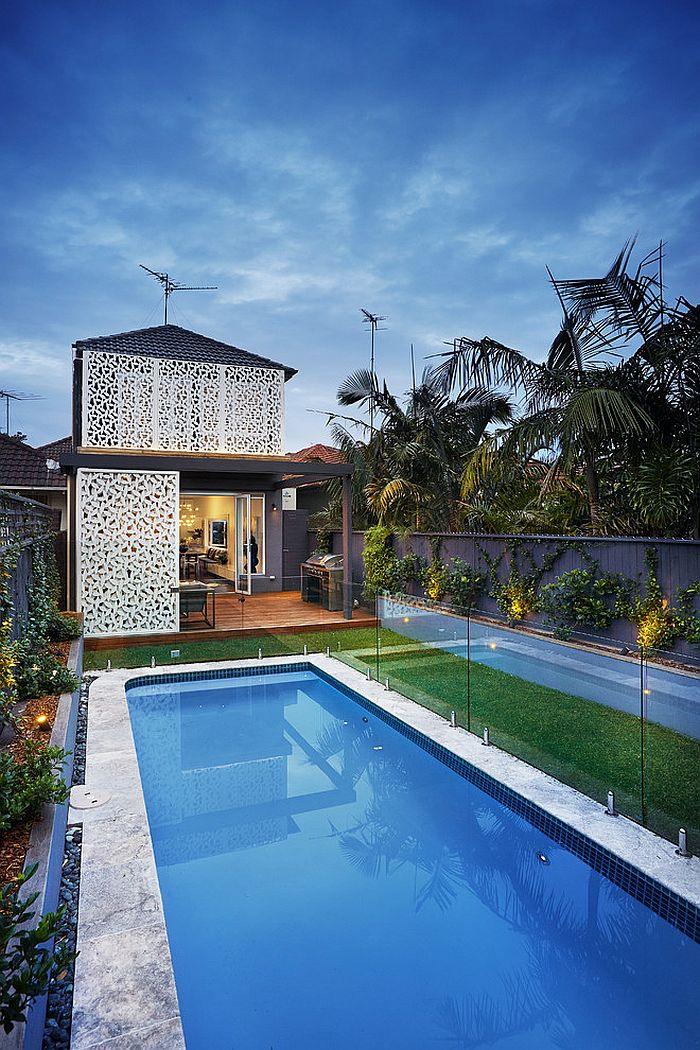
(60, 1003)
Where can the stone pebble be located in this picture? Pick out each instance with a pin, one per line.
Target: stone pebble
(59, 1010)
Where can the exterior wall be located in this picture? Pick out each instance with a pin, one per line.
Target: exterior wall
(131, 401)
(127, 551)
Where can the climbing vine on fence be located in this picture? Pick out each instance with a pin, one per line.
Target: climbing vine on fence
(578, 600)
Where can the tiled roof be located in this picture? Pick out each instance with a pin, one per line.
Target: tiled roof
(22, 466)
(169, 340)
(325, 453)
(56, 449)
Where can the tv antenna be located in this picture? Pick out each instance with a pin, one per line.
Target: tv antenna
(170, 286)
(10, 395)
(374, 321)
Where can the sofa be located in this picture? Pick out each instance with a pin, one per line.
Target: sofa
(215, 562)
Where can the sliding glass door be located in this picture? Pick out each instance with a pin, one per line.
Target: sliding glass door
(242, 561)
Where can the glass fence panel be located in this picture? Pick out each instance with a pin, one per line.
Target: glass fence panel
(671, 740)
(589, 711)
(219, 622)
(571, 708)
(422, 652)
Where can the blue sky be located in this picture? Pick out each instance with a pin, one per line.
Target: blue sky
(422, 160)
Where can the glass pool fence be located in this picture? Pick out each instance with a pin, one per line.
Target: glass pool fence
(599, 715)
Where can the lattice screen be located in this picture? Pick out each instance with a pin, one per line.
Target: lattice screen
(127, 551)
(140, 402)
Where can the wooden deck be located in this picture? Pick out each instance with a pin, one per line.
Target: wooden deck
(281, 612)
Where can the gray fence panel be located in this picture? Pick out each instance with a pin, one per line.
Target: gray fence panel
(678, 562)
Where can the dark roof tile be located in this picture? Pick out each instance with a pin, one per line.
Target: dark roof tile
(169, 340)
(22, 466)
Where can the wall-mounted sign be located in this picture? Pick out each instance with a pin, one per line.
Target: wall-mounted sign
(289, 499)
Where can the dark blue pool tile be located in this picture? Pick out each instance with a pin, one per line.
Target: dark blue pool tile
(679, 912)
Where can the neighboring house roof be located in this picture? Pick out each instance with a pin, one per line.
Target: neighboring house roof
(169, 340)
(320, 453)
(56, 449)
(324, 453)
(22, 466)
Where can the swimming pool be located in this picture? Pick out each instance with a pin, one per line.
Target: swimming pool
(326, 882)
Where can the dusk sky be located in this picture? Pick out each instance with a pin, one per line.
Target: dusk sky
(422, 160)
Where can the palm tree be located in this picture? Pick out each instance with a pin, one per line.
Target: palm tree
(577, 404)
(410, 463)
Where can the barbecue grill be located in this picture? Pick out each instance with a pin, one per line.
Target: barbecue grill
(322, 581)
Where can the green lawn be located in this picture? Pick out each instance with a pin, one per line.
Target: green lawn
(587, 745)
(236, 648)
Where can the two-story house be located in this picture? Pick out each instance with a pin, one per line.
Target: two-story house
(178, 448)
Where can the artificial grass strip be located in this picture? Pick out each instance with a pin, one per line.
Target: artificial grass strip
(589, 746)
(241, 648)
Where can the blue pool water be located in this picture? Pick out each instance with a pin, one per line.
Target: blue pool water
(328, 884)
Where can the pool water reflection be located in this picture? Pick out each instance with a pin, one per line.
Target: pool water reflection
(328, 883)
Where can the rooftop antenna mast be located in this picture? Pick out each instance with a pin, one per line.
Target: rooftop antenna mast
(170, 286)
(373, 320)
(10, 395)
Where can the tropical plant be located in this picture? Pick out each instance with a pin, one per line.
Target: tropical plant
(613, 409)
(28, 960)
(409, 466)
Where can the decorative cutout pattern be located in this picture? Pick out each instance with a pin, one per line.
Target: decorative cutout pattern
(128, 551)
(118, 401)
(131, 401)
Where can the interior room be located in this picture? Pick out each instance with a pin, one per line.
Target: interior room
(222, 537)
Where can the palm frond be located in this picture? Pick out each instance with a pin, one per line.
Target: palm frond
(484, 362)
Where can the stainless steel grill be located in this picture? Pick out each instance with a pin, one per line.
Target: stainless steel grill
(322, 581)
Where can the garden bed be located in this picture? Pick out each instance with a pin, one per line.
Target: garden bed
(41, 842)
(14, 842)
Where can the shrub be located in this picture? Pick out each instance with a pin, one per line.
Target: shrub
(516, 597)
(687, 619)
(410, 569)
(40, 673)
(27, 962)
(465, 584)
(436, 580)
(62, 627)
(651, 613)
(382, 566)
(29, 779)
(323, 540)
